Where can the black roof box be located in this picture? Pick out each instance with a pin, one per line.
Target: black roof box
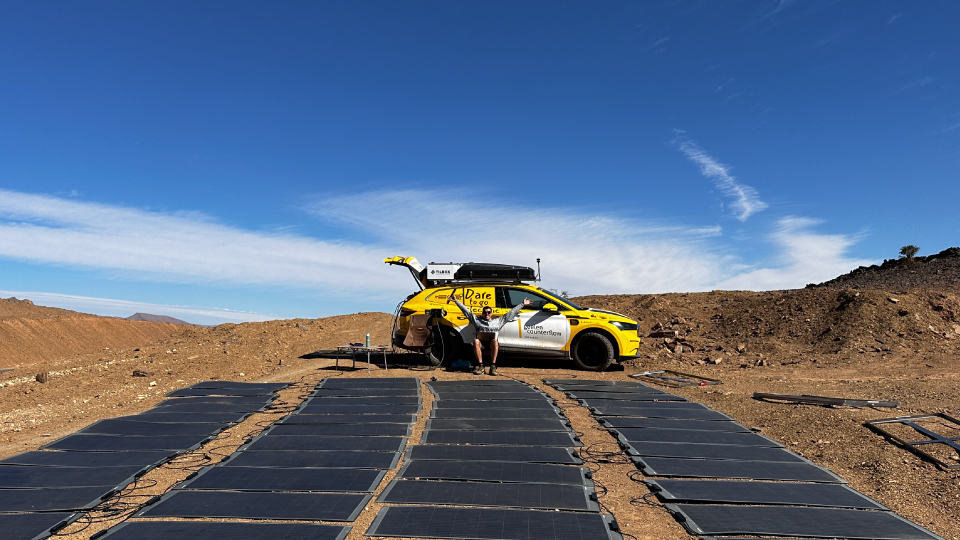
(494, 272)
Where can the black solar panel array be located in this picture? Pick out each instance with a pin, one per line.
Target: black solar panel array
(499, 451)
(726, 479)
(320, 469)
(42, 491)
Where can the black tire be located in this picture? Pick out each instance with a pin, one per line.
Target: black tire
(447, 347)
(593, 352)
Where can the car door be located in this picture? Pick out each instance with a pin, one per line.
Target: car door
(534, 328)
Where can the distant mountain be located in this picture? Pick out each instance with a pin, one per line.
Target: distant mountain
(156, 318)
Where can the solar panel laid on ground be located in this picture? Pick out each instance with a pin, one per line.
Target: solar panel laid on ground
(710, 452)
(671, 423)
(382, 402)
(147, 460)
(380, 382)
(498, 424)
(34, 526)
(363, 459)
(742, 492)
(373, 418)
(366, 430)
(694, 436)
(610, 390)
(678, 410)
(21, 476)
(189, 392)
(508, 438)
(299, 443)
(120, 443)
(285, 479)
(491, 524)
(321, 408)
(141, 428)
(53, 499)
(266, 387)
(366, 392)
(207, 407)
(513, 495)
(495, 471)
(178, 530)
(797, 521)
(481, 412)
(523, 454)
(249, 403)
(258, 505)
(599, 398)
(175, 417)
(532, 404)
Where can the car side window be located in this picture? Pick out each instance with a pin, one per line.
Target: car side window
(514, 297)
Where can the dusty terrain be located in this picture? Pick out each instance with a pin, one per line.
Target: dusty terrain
(878, 341)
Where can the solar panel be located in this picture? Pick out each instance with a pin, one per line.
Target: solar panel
(477, 382)
(623, 384)
(490, 406)
(516, 495)
(178, 530)
(283, 442)
(258, 505)
(367, 430)
(482, 412)
(53, 499)
(797, 521)
(366, 392)
(491, 524)
(320, 408)
(17, 476)
(508, 438)
(671, 423)
(712, 452)
(661, 410)
(300, 418)
(209, 407)
(694, 436)
(489, 395)
(599, 398)
(496, 471)
(281, 479)
(732, 491)
(119, 443)
(606, 389)
(176, 417)
(361, 459)
(386, 382)
(387, 401)
(219, 400)
(189, 392)
(137, 428)
(498, 424)
(34, 526)
(755, 470)
(89, 459)
(272, 387)
(525, 454)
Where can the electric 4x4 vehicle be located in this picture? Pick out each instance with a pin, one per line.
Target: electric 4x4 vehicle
(550, 327)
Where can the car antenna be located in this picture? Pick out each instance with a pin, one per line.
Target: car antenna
(538, 268)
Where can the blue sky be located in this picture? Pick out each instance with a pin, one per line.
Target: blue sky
(232, 161)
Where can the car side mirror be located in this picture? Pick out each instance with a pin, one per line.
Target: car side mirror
(549, 307)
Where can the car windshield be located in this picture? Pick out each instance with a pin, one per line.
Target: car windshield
(558, 299)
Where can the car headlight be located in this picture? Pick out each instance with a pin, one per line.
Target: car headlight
(624, 325)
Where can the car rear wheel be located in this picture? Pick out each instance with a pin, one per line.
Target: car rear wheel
(593, 352)
(447, 347)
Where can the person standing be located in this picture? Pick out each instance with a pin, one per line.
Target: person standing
(487, 329)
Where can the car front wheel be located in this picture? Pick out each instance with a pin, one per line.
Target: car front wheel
(593, 352)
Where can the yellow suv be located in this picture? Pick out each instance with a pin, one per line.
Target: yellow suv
(550, 327)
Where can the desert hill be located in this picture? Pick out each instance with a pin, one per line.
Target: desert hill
(31, 333)
(940, 270)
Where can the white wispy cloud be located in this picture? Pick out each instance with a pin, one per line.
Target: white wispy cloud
(124, 308)
(177, 247)
(802, 256)
(581, 252)
(746, 200)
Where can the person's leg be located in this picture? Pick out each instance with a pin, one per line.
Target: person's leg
(494, 348)
(478, 352)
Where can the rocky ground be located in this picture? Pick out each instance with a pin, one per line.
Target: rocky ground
(878, 341)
